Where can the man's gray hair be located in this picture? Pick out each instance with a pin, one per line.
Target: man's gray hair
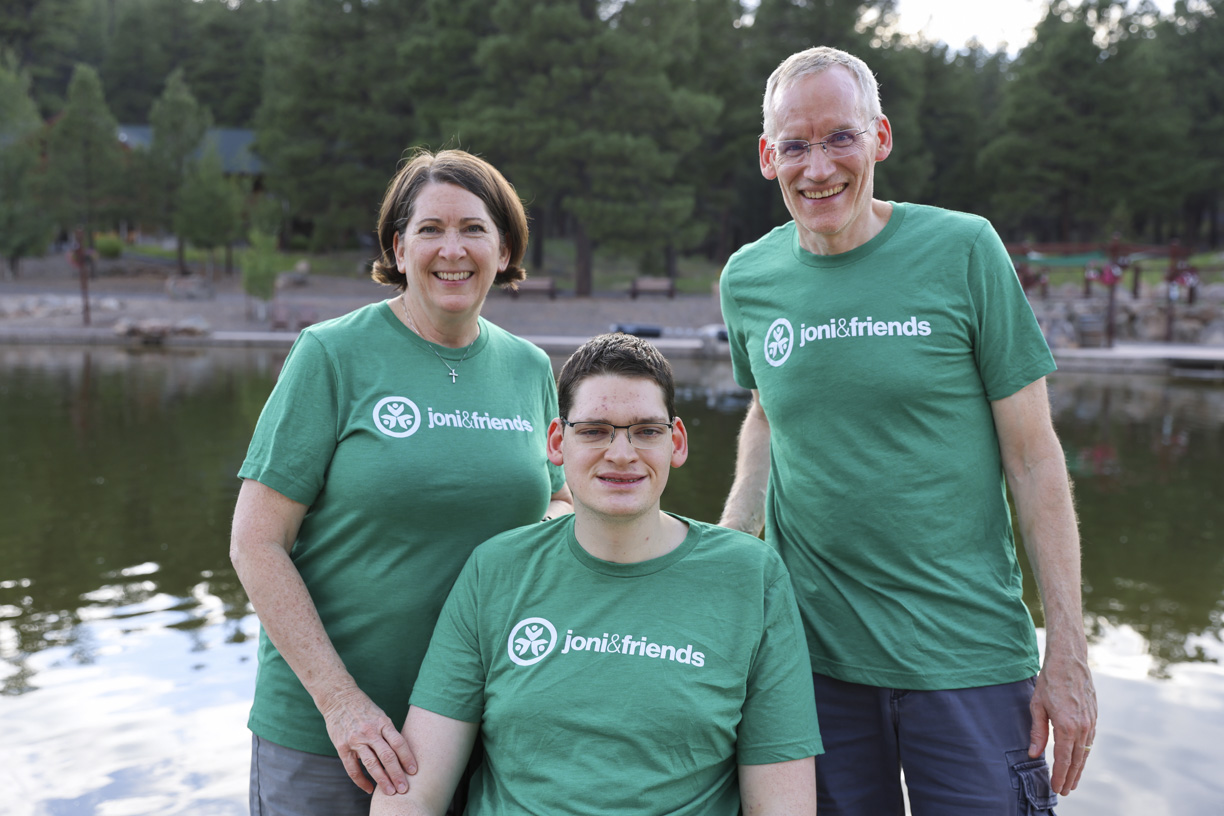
(814, 61)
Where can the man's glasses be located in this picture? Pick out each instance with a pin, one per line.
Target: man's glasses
(842, 143)
(642, 435)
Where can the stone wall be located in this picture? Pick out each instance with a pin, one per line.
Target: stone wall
(1070, 320)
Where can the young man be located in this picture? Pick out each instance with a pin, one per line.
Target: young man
(898, 376)
(621, 660)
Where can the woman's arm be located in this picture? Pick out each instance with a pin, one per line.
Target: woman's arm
(444, 745)
(265, 526)
(562, 502)
(778, 789)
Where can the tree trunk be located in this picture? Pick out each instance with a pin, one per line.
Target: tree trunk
(584, 251)
(182, 254)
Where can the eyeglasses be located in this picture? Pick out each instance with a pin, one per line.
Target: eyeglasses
(842, 143)
(642, 435)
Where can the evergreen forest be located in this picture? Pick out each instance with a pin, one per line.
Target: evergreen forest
(628, 125)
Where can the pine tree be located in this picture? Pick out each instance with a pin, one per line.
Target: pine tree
(581, 113)
(25, 228)
(179, 125)
(336, 116)
(83, 158)
(1062, 127)
(209, 207)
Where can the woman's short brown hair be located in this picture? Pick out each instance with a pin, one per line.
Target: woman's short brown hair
(462, 169)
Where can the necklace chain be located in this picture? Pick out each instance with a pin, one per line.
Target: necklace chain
(454, 375)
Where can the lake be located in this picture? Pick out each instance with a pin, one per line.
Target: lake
(127, 647)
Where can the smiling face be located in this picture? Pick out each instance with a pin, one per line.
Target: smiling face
(830, 197)
(450, 252)
(619, 483)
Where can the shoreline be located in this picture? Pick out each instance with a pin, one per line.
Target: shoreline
(145, 310)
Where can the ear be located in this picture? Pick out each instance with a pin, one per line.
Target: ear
(765, 153)
(883, 138)
(679, 443)
(555, 429)
(397, 248)
(503, 260)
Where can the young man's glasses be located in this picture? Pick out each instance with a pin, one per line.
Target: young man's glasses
(642, 435)
(842, 143)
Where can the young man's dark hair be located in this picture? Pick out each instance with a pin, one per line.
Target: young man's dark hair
(622, 354)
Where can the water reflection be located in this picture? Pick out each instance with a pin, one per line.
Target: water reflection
(1145, 454)
(125, 635)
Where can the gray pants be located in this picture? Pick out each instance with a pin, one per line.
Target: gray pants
(286, 782)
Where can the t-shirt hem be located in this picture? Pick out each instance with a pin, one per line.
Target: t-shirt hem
(447, 708)
(290, 739)
(285, 485)
(775, 754)
(883, 678)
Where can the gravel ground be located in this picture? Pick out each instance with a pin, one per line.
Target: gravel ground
(46, 297)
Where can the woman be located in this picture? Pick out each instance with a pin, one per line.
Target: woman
(398, 437)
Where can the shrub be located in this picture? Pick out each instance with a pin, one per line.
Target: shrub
(260, 266)
(108, 246)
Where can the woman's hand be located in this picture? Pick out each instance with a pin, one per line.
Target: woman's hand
(368, 743)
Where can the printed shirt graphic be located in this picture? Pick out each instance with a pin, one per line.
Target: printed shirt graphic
(367, 429)
(886, 495)
(621, 688)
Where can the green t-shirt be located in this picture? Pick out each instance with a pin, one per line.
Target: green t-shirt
(404, 473)
(606, 688)
(876, 369)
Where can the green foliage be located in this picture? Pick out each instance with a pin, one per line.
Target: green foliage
(260, 265)
(209, 204)
(25, 228)
(84, 165)
(340, 117)
(109, 246)
(628, 127)
(179, 124)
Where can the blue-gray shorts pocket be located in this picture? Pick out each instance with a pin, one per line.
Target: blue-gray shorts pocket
(1031, 781)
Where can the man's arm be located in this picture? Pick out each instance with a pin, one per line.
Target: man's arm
(745, 508)
(443, 745)
(1036, 473)
(265, 526)
(778, 789)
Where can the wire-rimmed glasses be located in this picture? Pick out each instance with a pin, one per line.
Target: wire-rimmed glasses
(642, 435)
(842, 143)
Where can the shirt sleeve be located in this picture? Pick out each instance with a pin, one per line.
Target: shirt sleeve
(296, 435)
(1009, 347)
(452, 677)
(779, 716)
(737, 339)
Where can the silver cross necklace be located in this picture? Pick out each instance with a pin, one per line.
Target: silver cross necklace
(454, 375)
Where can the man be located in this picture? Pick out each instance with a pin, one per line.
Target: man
(620, 660)
(898, 375)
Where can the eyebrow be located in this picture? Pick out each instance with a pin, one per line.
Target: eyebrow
(651, 421)
(467, 219)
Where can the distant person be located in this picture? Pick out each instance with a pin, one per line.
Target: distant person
(622, 660)
(898, 379)
(397, 438)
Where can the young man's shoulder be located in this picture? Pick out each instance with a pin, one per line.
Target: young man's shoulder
(738, 550)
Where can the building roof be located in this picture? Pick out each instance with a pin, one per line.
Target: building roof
(232, 144)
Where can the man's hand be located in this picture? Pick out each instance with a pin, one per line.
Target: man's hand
(1065, 699)
(366, 738)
